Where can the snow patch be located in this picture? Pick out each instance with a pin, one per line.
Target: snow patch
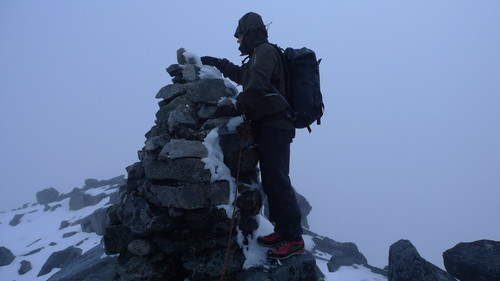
(234, 122)
(190, 57)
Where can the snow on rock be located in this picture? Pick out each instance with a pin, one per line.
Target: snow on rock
(38, 236)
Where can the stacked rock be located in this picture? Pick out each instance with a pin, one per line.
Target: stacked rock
(175, 212)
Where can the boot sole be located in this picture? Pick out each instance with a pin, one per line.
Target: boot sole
(268, 245)
(287, 256)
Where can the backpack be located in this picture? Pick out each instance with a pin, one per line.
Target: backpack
(302, 86)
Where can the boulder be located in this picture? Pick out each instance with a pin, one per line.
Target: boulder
(60, 259)
(405, 263)
(135, 174)
(95, 222)
(183, 169)
(116, 181)
(149, 268)
(296, 268)
(343, 254)
(116, 239)
(183, 115)
(91, 266)
(93, 183)
(305, 209)
(6, 256)
(16, 220)
(141, 218)
(64, 224)
(155, 143)
(78, 199)
(190, 73)
(180, 148)
(33, 251)
(47, 196)
(212, 264)
(25, 267)
(474, 261)
(189, 196)
(170, 92)
(140, 247)
(208, 91)
(174, 70)
(163, 113)
(206, 111)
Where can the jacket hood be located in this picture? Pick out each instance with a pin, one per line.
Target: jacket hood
(252, 29)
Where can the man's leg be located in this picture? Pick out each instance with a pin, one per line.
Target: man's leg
(273, 146)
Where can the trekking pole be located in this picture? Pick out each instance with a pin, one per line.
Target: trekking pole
(233, 216)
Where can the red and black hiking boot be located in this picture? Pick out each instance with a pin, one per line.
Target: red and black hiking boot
(286, 250)
(270, 240)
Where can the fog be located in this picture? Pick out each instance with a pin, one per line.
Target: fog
(409, 147)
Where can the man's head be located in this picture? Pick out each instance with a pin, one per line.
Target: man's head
(250, 32)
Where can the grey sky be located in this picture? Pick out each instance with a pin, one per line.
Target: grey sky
(410, 141)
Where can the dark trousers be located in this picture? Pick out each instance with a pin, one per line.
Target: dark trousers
(273, 147)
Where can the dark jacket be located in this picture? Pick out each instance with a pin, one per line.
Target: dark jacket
(259, 100)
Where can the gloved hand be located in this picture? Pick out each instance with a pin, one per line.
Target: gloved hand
(206, 60)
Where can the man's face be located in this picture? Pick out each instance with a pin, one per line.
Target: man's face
(240, 40)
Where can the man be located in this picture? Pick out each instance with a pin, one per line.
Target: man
(263, 79)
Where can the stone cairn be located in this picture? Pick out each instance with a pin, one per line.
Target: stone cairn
(176, 208)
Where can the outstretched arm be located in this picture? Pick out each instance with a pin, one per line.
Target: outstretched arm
(228, 69)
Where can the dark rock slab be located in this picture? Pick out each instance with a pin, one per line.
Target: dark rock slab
(64, 224)
(296, 268)
(25, 267)
(184, 115)
(180, 148)
(207, 111)
(47, 196)
(60, 259)
(16, 220)
(91, 266)
(6, 256)
(140, 247)
(184, 170)
(69, 234)
(305, 209)
(135, 174)
(141, 218)
(189, 196)
(78, 199)
(202, 267)
(92, 183)
(95, 222)
(343, 254)
(405, 263)
(174, 70)
(474, 261)
(208, 91)
(190, 73)
(170, 92)
(163, 113)
(33, 251)
(116, 239)
(155, 143)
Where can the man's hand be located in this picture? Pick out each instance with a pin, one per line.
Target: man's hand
(206, 60)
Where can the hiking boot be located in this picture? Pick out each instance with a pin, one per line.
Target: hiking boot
(286, 250)
(270, 240)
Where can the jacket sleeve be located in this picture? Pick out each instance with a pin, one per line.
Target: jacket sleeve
(233, 72)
